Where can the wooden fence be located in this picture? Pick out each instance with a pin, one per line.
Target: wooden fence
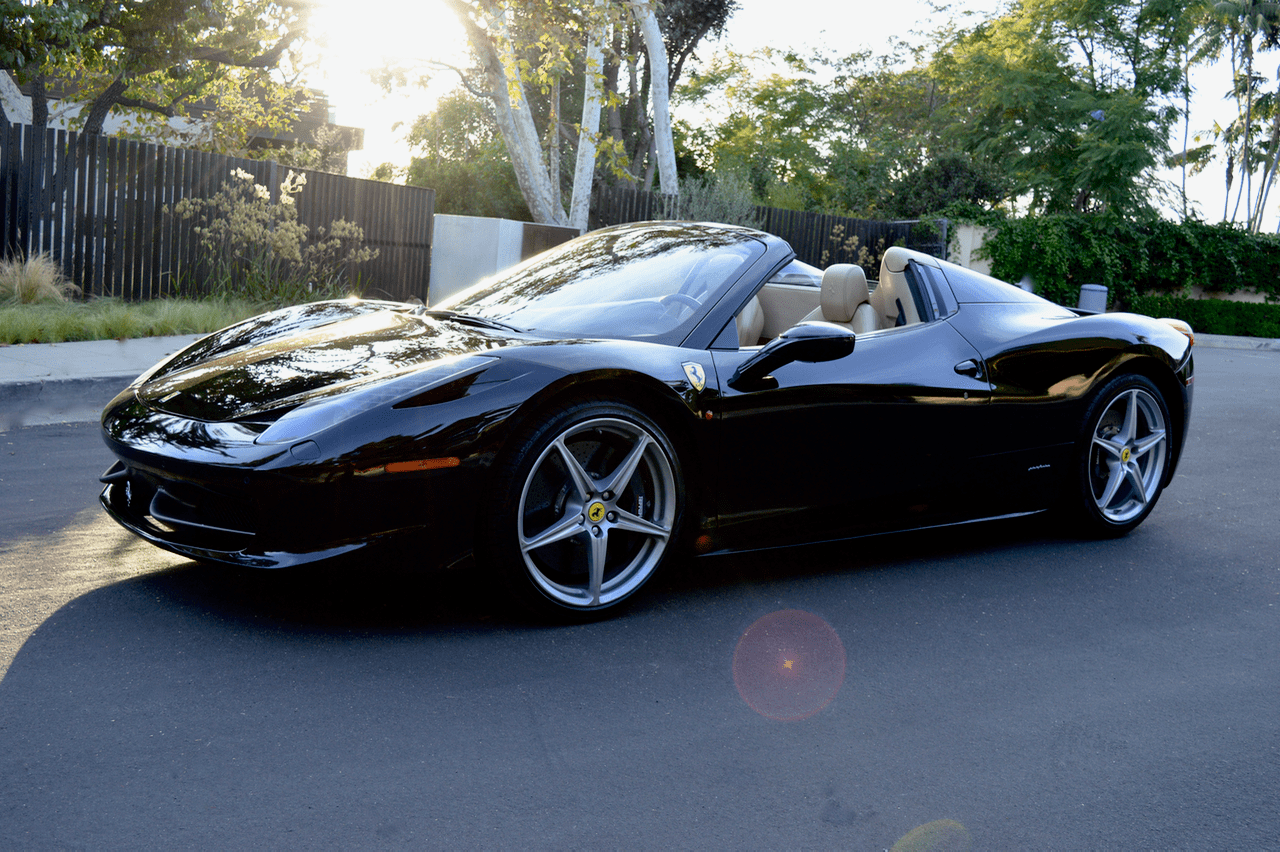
(97, 206)
(816, 238)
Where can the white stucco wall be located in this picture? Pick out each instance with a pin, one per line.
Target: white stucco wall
(465, 249)
(968, 239)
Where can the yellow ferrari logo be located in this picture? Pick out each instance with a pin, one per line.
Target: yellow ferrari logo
(1125, 455)
(595, 512)
(697, 376)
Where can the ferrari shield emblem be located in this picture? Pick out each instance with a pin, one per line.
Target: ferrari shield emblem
(595, 512)
(697, 377)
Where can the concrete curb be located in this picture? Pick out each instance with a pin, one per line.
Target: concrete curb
(1222, 341)
(57, 401)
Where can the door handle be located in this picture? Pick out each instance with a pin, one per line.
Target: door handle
(970, 368)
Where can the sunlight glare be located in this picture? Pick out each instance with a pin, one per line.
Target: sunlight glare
(356, 39)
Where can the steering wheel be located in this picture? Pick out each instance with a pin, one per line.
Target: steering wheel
(687, 285)
(681, 299)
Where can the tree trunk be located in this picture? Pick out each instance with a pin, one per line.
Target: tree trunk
(101, 106)
(659, 80)
(39, 104)
(515, 121)
(553, 139)
(612, 72)
(585, 169)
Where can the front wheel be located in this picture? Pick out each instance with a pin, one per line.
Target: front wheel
(591, 504)
(1123, 454)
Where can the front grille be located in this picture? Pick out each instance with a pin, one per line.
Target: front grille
(199, 508)
(196, 514)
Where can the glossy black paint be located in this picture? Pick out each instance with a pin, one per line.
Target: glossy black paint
(328, 429)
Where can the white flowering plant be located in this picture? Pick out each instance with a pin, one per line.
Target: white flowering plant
(255, 248)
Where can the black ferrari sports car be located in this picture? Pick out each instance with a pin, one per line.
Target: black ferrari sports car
(642, 390)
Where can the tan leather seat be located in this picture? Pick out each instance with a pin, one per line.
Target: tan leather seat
(845, 300)
(892, 300)
(750, 322)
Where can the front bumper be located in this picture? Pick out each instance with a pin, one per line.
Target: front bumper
(208, 492)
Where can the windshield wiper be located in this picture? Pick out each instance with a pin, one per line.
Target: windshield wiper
(468, 319)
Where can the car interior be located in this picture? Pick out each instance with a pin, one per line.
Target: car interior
(845, 298)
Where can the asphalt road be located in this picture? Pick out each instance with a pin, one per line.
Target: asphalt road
(1006, 686)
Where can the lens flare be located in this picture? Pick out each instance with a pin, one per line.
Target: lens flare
(941, 835)
(788, 665)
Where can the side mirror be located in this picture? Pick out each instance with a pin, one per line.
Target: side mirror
(810, 342)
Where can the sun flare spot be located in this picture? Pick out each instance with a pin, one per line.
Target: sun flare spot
(788, 665)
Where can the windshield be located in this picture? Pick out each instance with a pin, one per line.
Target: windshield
(647, 281)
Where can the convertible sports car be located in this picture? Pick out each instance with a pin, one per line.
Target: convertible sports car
(571, 423)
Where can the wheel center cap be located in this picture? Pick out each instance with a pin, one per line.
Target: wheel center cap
(595, 511)
(1125, 455)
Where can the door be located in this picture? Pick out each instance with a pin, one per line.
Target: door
(883, 438)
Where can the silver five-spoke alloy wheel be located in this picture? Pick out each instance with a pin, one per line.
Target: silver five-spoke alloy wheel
(1126, 456)
(597, 512)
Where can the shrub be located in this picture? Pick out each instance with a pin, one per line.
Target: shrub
(38, 278)
(842, 249)
(1213, 316)
(1060, 253)
(719, 198)
(254, 248)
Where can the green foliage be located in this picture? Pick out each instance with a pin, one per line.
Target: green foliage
(1070, 97)
(40, 33)
(37, 278)
(326, 151)
(860, 134)
(1213, 316)
(771, 133)
(465, 161)
(953, 178)
(104, 319)
(1060, 253)
(217, 60)
(255, 248)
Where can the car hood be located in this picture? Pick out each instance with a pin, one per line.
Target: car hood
(253, 369)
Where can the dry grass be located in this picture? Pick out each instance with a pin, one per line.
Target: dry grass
(36, 279)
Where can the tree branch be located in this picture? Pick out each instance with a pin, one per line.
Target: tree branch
(268, 59)
(462, 78)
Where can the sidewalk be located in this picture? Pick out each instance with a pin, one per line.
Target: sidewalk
(42, 383)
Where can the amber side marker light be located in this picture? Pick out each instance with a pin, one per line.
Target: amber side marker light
(1181, 326)
(410, 466)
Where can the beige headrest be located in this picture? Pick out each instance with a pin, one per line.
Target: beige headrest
(844, 287)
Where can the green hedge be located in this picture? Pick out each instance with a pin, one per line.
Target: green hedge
(1213, 316)
(1060, 253)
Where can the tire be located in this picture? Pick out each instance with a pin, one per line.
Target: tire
(1123, 454)
(589, 507)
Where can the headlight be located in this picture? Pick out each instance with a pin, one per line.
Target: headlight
(314, 417)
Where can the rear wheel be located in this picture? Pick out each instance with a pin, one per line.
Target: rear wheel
(1124, 452)
(591, 503)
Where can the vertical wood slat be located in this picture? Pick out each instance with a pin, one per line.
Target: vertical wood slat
(8, 175)
(25, 166)
(58, 239)
(78, 155)
(98, 234)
